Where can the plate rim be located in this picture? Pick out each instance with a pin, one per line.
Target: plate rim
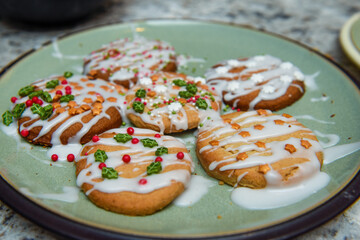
(57, 223)
(346, 41)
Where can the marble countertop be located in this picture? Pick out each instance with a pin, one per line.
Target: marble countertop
(316, 23)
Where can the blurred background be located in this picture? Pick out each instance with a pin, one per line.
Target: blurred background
(25, 25)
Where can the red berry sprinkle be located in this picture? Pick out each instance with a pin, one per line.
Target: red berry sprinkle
(135, 141)
(68, 92)
(157, 135)
(29, 103)
(130, 130)
(54, 157)
(126, 158)
(95, 138)
(70, 157)
(34, 99)
(143, 181)
(24, 132)
(137, 99)
(180, 155)
(158, 159)
(64, 82)
(102, 165)
(67, 88)
(13, 99)
(39, 101)
(58, 92)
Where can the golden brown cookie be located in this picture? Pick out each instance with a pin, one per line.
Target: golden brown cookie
(133, 171)
(170, 102)
(260, 82)
(256, 149)
(124, 61)
(62, 110)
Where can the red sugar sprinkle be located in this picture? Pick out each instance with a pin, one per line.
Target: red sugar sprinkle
(238, 109)
(95, 138)
(130, 130)
(29, 103)
(158, 159)
(67, 88)
(233, 108)
(126, 158)
(135, 141)
(125, 102)
(58, 92)
(24, 132)
(64, 82)
(142, 181)
(86, 154)
(102, 165)
(212, 88)
(157, 135)
(70, 157)
(13, 99)
(34, 99)
(137, 99)
(39, 101)
(180, 155)
(144, 103)
(54, 157)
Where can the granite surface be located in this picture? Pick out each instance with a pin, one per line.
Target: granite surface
(315, 23)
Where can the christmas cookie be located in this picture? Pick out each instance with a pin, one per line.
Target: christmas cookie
(124, 61)
(170, 102)
(260, 82)
(256, 149)
(133, 171)
(65, 109)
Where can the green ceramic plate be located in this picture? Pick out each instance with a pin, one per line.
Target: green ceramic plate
(350, 38)
(24, 167)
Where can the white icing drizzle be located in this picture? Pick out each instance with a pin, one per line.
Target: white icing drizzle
(165, 105)
(264, 73)
(140, 156)
(198, 187)
(127, 59)
(333, 139)
(58, 54)
(334, 153)
(309, 117)
(69, 195)
(275, 197)
(229, 137)
(320, 99)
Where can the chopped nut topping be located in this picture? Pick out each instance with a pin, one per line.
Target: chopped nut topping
(111, 99)
(151, 93)
(286, 115)
(227, 120)
(56, 98)
(154, 78)
(242, 156)
(221, 183)
(92, 72)
(72, 104)
(91, 92)
(72, 111)
(100, 99)
(59, 87)
(61, 78)
(85, 107)
(96, 111)
(79, 110)
(98, 105)
(60, 110)
(73, 83)
(261, 112)
(87, 100)
(290, 148)
(84, 79)
(214, 143)
(235, 126)
(279, 122)
(306, 144)
(182, 100)
(78, 88)
(56, 105)
(264, 168)
(244, 134)
(258, 127)
(260, 144)
(106, 88)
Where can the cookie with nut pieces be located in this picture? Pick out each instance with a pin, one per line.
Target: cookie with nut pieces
(256, 149)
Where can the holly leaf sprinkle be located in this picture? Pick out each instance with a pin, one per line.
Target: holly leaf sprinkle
(185, 94)
(68, 74)
(138, 107)
(18, 110)
(154, 168)
(46, 97)
(26, 90)
(191, 88)
(109, 173)
(35, 94)
(66, 98)
(123, 137)
(179, 82)
(48, 112)
(150, 143)
(100, 156)
(201, 103)
(161, 150)
(52, 83)
(141, 93)
(7, 118)
(43, 112)
(37, 109)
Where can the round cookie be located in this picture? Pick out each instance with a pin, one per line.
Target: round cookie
(62, 110)
(256, 149)
(124, 61)
(170, 102)
(133, 171)
(260, 82)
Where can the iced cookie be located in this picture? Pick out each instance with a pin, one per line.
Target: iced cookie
(133, 171)
(256, 149)
(124, 61)
(260, 82)
(65, 109)
(170, 102)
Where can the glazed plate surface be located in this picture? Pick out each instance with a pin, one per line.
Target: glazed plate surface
(330, 105)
